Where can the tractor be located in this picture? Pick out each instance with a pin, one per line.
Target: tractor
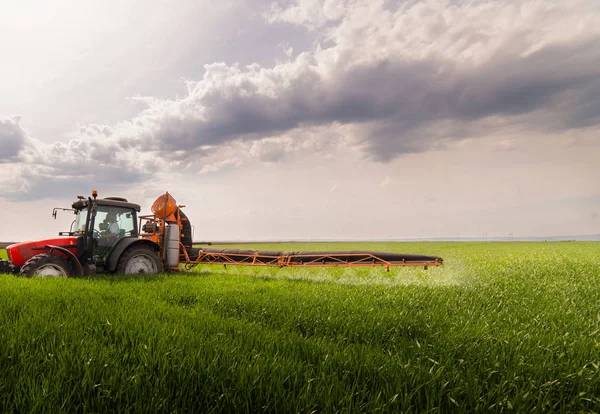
(107, 236)
(104, 238)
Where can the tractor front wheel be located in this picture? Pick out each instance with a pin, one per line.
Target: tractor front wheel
(139, 260)
(46, 265)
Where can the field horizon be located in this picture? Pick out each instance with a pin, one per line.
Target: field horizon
(562, 238)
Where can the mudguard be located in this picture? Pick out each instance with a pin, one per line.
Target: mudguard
(123, 245)
(77, 268)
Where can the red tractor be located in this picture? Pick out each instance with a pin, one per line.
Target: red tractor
(104, 238)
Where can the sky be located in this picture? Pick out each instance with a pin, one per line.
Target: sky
(305, 119)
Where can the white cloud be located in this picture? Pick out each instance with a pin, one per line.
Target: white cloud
(12, 138)
(218, 166)
(506, 145)
(314, 14)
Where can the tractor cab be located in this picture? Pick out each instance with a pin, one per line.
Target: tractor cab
(100, 224)
(103, 238)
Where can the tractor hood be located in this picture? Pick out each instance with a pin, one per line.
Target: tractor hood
(19, 253)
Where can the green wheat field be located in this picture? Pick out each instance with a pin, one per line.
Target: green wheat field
(500, 327)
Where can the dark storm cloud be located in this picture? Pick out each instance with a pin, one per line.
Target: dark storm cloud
(557, 86)
(361, 94)
(513, 85)
(12, 138)
(396, 98)
(519, 72)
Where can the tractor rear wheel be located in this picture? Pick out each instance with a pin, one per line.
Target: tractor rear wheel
(46, 265)
(138, 260)
(6, 267)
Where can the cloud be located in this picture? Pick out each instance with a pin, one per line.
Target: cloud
(506, 145)
(12, 138)
(272, 149)
(386, 78)
(313, 14)
(60, 169)
(394, 73)
(219, 165)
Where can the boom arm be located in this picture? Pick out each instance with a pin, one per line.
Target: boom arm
(168, 213)
(310, 259)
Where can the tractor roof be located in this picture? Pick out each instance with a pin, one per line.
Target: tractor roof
(108, 201)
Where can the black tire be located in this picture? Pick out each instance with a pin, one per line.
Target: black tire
(139, 260)
(46, 265)
(6, 267)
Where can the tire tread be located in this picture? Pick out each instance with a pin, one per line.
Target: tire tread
(29, 268)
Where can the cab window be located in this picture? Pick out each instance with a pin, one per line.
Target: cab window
(80, 221)
(114, 221)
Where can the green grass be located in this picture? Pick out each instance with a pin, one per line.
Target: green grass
(3, 254)
(500, 326)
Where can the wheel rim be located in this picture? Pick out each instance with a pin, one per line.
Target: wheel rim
(50, 270)
(141, 263)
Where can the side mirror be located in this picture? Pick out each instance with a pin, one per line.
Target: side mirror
(55, 210)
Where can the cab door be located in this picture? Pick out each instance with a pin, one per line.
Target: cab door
(111, 224)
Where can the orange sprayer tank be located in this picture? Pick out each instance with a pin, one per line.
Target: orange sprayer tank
(164, 207)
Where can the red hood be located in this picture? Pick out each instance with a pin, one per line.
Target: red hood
(19, 253)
